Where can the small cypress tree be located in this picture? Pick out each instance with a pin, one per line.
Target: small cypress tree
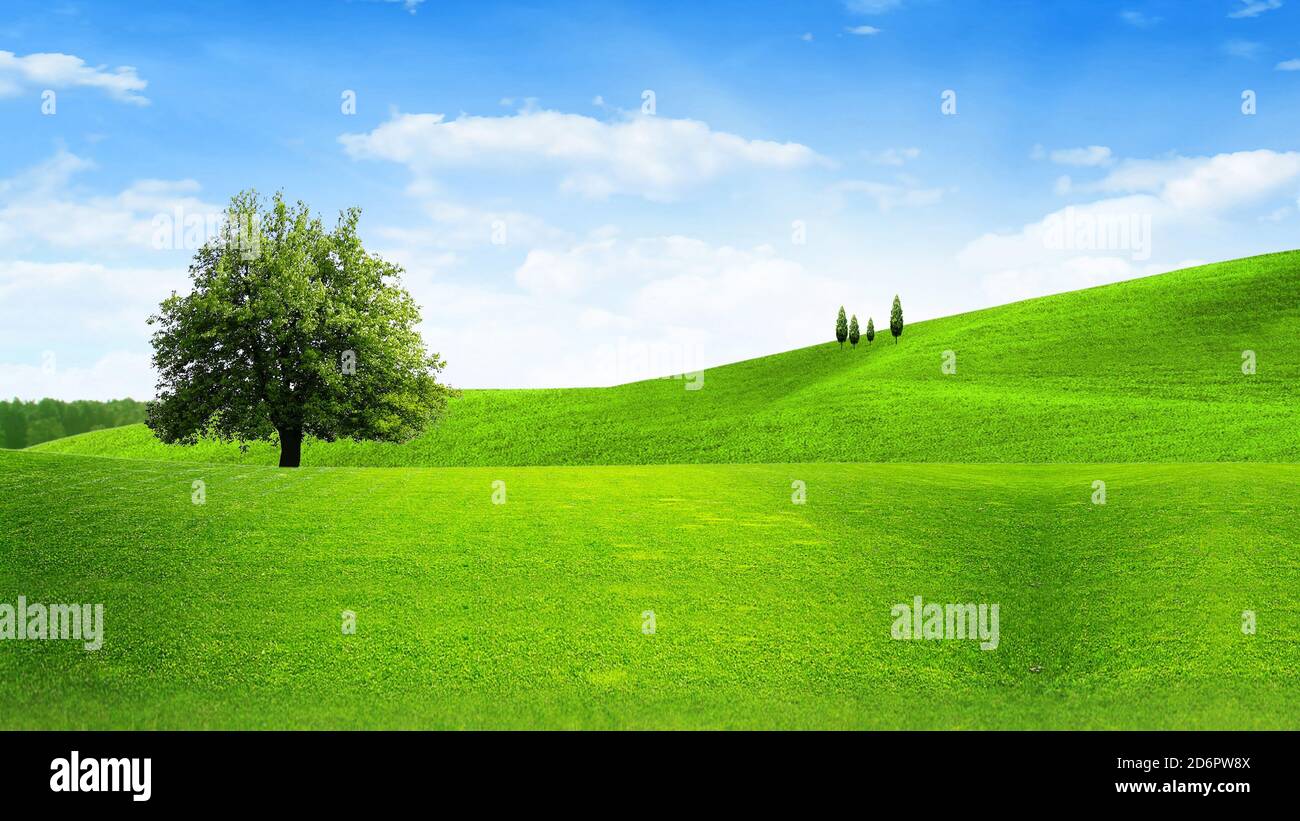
(871, 330)
(841, 327)
(854, 334)
(896, 319)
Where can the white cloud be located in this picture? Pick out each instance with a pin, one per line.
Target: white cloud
(807, 37)
(893, 156)
(1209, 184)
(40, 209)
(115, 375)
(458, 226)
(1160, 211)
(1254, 8)
(1288, 65)
(1091, 156)
(59, 71)
(863, 31)
(889, 196)
(90, 316)
(651, 156)
(570, 271)
(80, 278)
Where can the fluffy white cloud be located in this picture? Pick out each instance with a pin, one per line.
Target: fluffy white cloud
(1217, 183)
(863, 31)
(651, 156)
(59, 71)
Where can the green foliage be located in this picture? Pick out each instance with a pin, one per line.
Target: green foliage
(291, 331)
(854, 334)
(896, 319)
(1163, 383)
(29, 423)
(841, 328)
(871, 330)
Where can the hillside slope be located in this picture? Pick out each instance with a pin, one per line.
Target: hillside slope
(1145, 370)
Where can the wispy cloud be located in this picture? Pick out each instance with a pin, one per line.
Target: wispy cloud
(1288, 65)
(892, 156)
(1139, 19)
(1089, 156)
(1245, 49)
(863, 31)
(890, 196)
(1254, 8)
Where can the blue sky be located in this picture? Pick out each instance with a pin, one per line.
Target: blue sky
(798, 157)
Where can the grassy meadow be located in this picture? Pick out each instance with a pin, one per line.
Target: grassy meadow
(971, 487)
(529, 614)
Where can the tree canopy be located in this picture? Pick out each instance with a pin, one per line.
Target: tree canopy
(291, 330)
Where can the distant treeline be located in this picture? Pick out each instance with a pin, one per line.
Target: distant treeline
(30, 423)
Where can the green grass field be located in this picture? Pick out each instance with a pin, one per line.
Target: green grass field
(529, 614)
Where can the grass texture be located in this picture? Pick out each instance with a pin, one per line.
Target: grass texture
(529, 614)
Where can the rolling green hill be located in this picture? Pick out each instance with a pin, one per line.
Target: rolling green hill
(767, 614)
(531, 613)
(1145, 370)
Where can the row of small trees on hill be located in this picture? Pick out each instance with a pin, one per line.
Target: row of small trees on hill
(848, 328)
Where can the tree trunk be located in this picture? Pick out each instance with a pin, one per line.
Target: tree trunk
(290, 448)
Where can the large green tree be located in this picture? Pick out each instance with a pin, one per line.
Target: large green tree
(871, 330)
(291, 330)
(841, 327)
(896, 319)
(854, 333)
